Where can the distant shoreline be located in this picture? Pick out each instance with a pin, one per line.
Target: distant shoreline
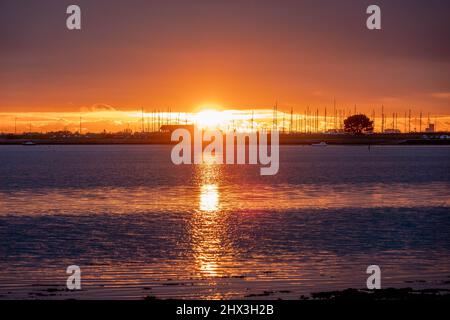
(285, 139)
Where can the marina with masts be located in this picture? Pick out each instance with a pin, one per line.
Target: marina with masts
(296, 125)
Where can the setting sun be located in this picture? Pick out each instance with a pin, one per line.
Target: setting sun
(209, 118)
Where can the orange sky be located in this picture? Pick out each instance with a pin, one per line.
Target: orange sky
(239, 55)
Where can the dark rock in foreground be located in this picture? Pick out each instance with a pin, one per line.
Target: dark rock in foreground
(383, 294)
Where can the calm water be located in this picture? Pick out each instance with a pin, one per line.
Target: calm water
(139, 226)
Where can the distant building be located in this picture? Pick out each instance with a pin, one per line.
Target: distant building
(169, 128)
(335, 131)
(392, 131)
(430, 128)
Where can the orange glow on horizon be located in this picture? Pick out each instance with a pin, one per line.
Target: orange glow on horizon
(211, 117)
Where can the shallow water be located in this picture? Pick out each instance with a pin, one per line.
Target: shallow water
(139, 226)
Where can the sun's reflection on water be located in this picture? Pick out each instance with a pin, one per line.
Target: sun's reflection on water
(209, 198)
(208, 226)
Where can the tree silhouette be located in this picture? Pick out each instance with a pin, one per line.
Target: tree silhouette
(358, 124)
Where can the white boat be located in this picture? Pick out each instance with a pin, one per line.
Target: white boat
(320, 144)
(29, 143)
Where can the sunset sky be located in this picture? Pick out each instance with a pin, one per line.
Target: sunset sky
(235, 54)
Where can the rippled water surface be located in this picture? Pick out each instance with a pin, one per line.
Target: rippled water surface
(139, 226)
